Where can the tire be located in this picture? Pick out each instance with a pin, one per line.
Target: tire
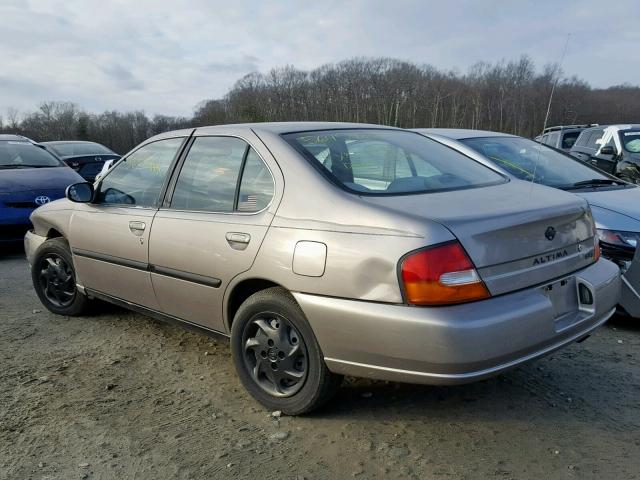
(54, 279)
(277, 356)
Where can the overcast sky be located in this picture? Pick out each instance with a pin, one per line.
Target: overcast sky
(166, 56)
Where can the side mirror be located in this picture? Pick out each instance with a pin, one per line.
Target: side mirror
(80, 192)
(607, 150)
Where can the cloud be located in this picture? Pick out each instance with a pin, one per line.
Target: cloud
(122, 77)
(166, 56)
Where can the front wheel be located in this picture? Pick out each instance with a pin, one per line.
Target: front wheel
(54, 279)
(277, 356)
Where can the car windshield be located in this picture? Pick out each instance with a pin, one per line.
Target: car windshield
(528, 160)
(74, 149)
(390, 162)
(25, 155)
(631, 140)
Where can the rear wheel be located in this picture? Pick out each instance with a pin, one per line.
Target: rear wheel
(277, 356)
(54, 279)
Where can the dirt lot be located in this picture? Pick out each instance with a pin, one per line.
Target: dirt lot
(118, 395)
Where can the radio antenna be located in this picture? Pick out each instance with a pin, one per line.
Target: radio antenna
(555, 82)
(556, 73)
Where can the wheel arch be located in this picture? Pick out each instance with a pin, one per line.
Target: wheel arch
(240, 292)
(53, 233)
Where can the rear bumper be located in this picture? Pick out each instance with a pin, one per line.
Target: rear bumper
(455, 344)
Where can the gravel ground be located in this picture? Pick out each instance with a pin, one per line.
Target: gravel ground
(119, 395)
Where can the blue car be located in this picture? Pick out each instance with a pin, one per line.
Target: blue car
(29, 177)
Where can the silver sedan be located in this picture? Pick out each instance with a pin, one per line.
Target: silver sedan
(327, 249)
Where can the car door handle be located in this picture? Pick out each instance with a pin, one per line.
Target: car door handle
(238, 240)
(137, 228)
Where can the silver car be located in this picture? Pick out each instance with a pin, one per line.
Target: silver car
(614, 203)
(329, 249)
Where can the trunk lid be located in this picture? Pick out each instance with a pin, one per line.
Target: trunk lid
(517, 234)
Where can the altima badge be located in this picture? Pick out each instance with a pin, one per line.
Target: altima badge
(550, 233)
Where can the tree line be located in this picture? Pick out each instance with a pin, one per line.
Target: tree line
(504, 96)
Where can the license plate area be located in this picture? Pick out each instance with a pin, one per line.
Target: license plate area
(563, 295)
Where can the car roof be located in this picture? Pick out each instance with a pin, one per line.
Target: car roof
(286, 127)
(268, 127)
(66, 142)
(11, 137)
(460, 133)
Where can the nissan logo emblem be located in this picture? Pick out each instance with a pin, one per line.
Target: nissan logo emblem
(42, 199)
(550, 233)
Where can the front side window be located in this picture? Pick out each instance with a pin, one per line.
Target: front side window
(17, 154)
(208, 180)
(528, 160)
(138, 179)
(596, 135)
(389, 162)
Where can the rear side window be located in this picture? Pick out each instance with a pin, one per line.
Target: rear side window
(553, 139)
(256, 187)
(209, 178)
(138, 179)
(569, 139)
(389, 162)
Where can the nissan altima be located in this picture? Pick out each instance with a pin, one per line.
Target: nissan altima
(329, 249)
(614, 202)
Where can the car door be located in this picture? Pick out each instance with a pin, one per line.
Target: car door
(110, 236)
(211, 225)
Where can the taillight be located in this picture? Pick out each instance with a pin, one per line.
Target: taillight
(441, 275)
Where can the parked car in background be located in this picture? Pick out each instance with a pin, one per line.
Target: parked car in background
(614, 149)
(86, 158)
(29, 177)
(562, 137)
(391, 256)
(615, 204)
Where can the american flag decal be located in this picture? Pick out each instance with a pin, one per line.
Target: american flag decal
(248, 203)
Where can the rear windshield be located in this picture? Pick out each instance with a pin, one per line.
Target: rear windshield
(75, 149)
(528, 160)
(25, 155)
(390, 162)
(631, 140)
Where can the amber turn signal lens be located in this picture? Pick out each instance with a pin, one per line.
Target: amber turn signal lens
(441, 275)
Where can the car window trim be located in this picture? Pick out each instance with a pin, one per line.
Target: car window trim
(166, 205)
(239, 179)
(165, 182)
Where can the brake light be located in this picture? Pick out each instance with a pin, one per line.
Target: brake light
(596, 249)
(441, 275)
